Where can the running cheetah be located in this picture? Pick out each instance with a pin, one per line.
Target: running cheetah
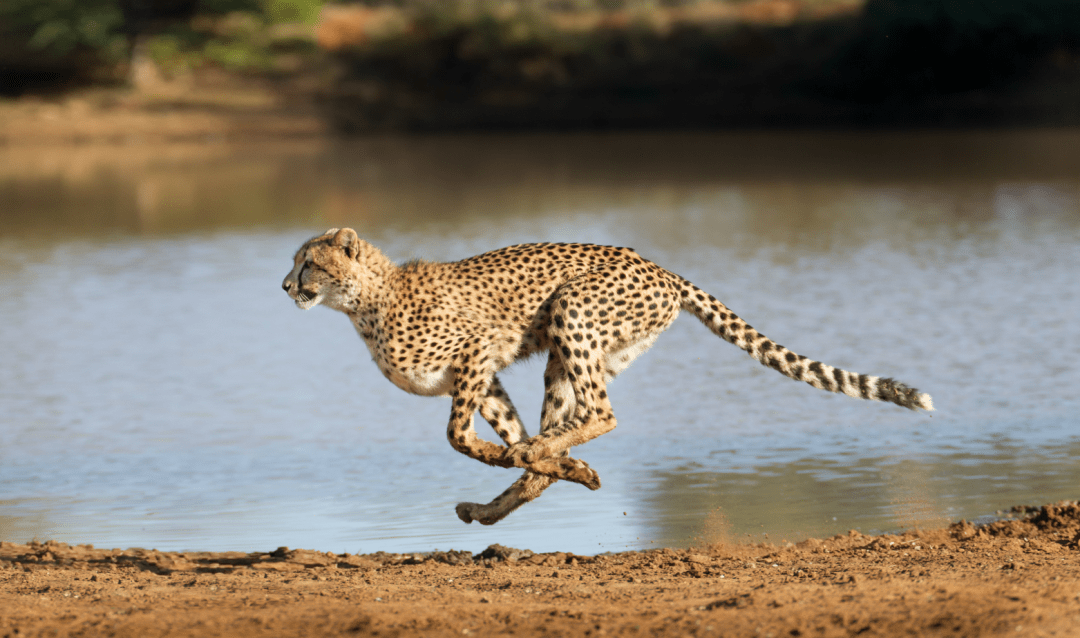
(446, 329)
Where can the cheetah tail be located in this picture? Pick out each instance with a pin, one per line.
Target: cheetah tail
(728, 326)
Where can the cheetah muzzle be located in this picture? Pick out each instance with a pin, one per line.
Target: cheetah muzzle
(447, 329)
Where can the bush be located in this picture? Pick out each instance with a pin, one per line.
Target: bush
(53, 42)
(59, 27)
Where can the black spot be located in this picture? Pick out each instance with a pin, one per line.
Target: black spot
(791, 357)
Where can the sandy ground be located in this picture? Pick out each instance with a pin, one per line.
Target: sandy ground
(1018, 577)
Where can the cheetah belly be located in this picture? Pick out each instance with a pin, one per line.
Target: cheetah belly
(428, 383)
(619, 360)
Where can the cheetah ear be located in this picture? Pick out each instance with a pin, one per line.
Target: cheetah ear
(347, 239)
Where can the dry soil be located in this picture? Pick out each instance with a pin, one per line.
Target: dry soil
(1016, 577)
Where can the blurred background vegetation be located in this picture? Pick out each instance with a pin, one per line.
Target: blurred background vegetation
(54, 44)
(437, 64)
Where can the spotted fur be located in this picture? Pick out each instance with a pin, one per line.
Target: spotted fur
(447, 329)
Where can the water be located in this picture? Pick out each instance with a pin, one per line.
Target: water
(158, 389)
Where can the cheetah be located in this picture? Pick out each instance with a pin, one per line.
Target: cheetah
(447, 329)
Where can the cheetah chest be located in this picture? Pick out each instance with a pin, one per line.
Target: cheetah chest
(428, 381)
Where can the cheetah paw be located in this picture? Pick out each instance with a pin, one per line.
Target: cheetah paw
(568, 469)
(579, 472)
(469, 512)
(464, 511)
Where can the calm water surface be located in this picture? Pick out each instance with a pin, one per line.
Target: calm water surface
(158, 389)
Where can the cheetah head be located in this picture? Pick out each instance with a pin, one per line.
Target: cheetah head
(324, 270)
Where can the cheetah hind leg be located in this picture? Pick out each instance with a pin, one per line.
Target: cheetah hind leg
(528, 487)
(497, 409)
(558, 403)
(525, 489)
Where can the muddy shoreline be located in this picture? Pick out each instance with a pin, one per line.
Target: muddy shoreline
(1020, 575)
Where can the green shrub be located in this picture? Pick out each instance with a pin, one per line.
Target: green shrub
(59, 27)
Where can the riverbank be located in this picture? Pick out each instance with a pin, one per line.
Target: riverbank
(779, 64)
(701, 65)
(209, 106)
(1016, 577)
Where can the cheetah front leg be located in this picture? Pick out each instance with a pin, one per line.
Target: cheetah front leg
(558, 400)
(501, 415)
(471, 384)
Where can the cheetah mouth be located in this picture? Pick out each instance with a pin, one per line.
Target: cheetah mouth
(306, 299)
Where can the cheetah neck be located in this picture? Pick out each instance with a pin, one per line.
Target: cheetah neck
(370, 285)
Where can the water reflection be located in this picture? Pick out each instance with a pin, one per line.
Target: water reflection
(807, 189)
(158, 389)
(815, 497)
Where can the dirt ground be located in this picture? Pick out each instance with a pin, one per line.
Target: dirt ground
(1016, 577)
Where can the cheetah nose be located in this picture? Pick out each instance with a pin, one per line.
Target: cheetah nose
(286, 285)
